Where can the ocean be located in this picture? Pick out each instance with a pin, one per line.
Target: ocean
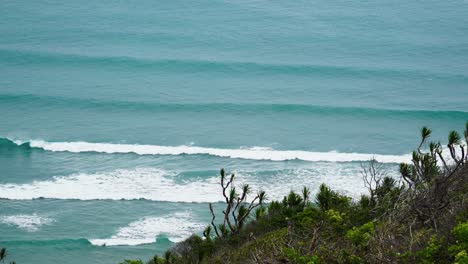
(116, 116)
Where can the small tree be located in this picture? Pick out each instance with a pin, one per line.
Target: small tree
(383, 190)
(237, 208)
(429, 184)
(373, 175)
(327, 199)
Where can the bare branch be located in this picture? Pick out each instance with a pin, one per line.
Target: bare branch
(212, 220)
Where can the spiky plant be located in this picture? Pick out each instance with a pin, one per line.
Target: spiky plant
(428, 183)
(237, 209)
(207, 232)
(323, 197)
(425, 134)
(305, 194)
(168, 256)
(466, 132)
(454, 138)
(3, 254)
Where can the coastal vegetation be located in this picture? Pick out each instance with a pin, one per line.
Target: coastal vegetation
(422, 217)
(3, 255)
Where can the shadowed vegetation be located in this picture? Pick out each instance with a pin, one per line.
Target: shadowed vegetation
(3, 255)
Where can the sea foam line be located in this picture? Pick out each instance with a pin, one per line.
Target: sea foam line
(30, 223)
(140, 183)
(160, 185)
(256, 153)
(175, 227)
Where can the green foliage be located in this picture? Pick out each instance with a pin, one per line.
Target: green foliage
(335, 217)
(194, 249)
(308, 217)
(360, 236)
(305, 195)
(460, 248)
(324, 197)
(264, 245)
(350, 258)
(327, 199)
(158, 260)
(260, 213)
(425, 133)
(365, 203)
(3, 253)
(430, 252)
(461, 257)
(237, 209)
(414, 222)
(129, 261)
(279, 213)
(454, 138)
(295, 257)
(293, 201)
(466, 131)
(461, 232)
(387, 186)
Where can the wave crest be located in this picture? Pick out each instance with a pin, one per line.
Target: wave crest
(159, 185)
(140, 183)
(227, 107)
(49, 242)
(15, 56)
(30, 223)
(256, 153)
(176, 227)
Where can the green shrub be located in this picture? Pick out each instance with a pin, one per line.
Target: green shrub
(461, 232)
(360, 236)
(265, 244)
(295, 257)
(461, 257)
(430, 252)
(350, 258)
(308, 217)
(460, 249)
(334, 216)
(129, 261)
(327, 199)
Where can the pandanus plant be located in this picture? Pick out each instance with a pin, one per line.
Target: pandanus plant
(3, 254)
(237, 209)
(424, 166)
(430, 184)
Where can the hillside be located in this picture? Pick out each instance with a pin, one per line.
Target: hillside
(419, 218)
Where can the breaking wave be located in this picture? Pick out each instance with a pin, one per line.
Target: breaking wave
(30, 223)
(160, 185)
(175, 227)
(255, 153)
(141, 183)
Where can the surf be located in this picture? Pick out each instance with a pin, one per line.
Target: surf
(152, 184)
(147, 230)
(254, 153)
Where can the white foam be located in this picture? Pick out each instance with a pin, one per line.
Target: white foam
(159, 185)
(255, 153)
(30, 223)
(176, 227)
(140, 183)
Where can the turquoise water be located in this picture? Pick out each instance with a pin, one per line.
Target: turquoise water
(117, 115)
